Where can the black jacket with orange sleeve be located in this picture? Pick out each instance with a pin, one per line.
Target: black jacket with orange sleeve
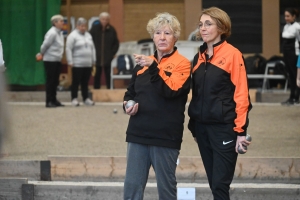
(161, 91)
(220, 90)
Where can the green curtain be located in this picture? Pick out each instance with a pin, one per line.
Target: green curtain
(23, 24)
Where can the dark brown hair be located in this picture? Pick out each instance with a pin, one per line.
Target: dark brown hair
(293, 11)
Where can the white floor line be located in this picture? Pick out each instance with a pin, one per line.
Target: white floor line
(114, 104)
(183, 185)
(65, 103)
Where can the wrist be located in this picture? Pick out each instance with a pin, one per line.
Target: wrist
(242, 134)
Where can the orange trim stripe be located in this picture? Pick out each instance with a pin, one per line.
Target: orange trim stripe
(142, 70)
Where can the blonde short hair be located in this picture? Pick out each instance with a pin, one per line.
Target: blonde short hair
(222, 20)
(56, 18)
(161, 20)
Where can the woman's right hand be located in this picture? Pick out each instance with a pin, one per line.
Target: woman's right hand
(132, 110)
(142, 60)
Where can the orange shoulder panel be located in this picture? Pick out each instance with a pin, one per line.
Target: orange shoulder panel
(178, 66)
(200, 60)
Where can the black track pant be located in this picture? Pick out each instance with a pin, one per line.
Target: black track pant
(290, 59)
(52, 70)
(97, 79)
(80, 76)
(217, 148)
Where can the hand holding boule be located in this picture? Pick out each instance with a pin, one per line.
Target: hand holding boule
(249, 139)
(129, 104)
(131, 107)
(240, 149)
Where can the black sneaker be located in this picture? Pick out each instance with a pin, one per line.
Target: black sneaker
(50, 105)
(288, 102)
(58, 104)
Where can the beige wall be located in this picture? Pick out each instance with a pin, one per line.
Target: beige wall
(116, 10)
(138, 13)
(192, 11)
(270, 28)
(85, 8)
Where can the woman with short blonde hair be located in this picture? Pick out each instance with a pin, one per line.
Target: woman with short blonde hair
(164, 19)
(160, 84)
(56, 18)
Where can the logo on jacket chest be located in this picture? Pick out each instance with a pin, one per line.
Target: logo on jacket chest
(169, 67)
(221, 61)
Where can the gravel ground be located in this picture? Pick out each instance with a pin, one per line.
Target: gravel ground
(36, 131)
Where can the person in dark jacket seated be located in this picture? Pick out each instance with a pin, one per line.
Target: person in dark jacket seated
(159, 85)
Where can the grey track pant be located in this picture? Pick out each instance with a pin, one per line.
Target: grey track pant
(139, 159)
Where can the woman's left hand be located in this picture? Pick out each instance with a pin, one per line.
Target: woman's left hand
(132, 110)
(241, 140)
(142, 60)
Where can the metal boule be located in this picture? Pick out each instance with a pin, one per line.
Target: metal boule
(248, 138)
(240, 149)
(115, 111)
(129, 104)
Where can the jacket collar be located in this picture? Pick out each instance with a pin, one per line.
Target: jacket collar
(167, 55)
(203, 47)
(56, 29)
(106, 27)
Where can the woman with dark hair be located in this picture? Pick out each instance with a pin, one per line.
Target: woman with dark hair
(291, 32)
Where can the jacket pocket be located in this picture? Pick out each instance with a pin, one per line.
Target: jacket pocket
(214, 113)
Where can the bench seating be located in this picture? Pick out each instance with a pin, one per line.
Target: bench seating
(186, 48)
(267, 76)
(129, 48)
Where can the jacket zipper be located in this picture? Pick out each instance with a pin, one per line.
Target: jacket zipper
(203, 88)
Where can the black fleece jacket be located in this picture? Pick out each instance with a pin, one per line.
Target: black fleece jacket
(106, 43)
(161, 91)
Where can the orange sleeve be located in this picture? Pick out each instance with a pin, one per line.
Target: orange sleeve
(241, 94)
